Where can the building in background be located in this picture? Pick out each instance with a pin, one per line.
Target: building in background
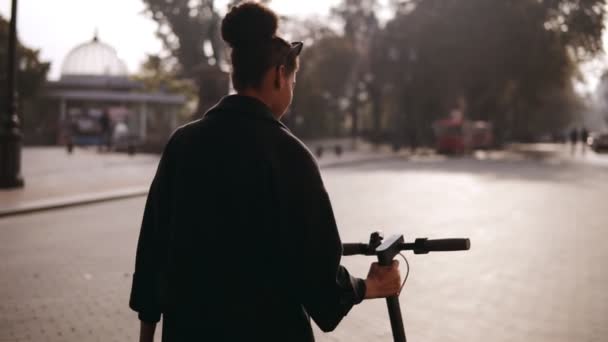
(95, 82)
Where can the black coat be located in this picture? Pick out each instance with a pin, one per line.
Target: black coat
(238, 240)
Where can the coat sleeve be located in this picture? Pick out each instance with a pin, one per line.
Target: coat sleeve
(325, 288)
(146, 290)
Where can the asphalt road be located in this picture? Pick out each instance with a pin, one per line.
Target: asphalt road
(537, 270)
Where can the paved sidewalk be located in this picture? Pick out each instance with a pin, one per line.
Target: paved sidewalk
(561, 152)
(536, 270)
(55, 179)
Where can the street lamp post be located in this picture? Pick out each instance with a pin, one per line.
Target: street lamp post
(10, 134)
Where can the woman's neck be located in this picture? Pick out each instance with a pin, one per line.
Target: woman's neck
(260, 96)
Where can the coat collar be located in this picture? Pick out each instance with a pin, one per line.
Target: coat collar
(242, 105)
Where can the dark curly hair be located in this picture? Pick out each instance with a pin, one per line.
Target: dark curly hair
(250, 30)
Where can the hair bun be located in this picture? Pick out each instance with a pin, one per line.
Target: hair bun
(248, 23)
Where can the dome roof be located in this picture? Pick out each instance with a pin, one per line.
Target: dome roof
(93, 58)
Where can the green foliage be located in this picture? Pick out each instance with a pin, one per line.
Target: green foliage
(510, 60)
(324, 70)
(31, 72)
(156, 75)
(190, 32)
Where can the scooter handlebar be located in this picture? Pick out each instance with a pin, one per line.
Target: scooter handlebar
(420, 246)
(355, 249)
(386, 249)
(423, 246)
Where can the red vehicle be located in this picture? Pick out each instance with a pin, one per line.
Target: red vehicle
(457, 136)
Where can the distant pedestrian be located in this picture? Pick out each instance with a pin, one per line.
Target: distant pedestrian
(70, 128)
(413, 140)
(573, 140)
(584, 136)
(319, 151)
(338, 150)
(105, 126)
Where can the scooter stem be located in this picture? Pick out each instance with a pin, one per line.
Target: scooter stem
(386, 252)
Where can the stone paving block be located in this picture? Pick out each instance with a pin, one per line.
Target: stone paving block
(536, 271)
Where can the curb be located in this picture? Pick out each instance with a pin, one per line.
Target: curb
(81, 200)
(72, 201)
(343, 163)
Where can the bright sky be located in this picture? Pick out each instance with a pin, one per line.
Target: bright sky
(56, 26)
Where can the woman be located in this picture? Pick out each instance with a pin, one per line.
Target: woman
(238, 240)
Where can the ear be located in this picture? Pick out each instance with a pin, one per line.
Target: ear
(280, 77)
(277, 78)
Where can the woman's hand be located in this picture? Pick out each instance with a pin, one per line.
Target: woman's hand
(383, 281)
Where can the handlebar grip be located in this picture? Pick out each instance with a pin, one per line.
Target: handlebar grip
(354, 249)
(422, 246)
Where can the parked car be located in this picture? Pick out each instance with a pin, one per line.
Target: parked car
(123, 139)
(598, 142)
(83, 130)
(456, 136)
(86, 131)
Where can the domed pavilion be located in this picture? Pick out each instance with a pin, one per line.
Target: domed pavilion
(94, 81)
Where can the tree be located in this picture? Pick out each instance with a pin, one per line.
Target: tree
(156, 75)
(31, 71)
(508, 60)
(190, 32)
(325, 67)
(360, 26)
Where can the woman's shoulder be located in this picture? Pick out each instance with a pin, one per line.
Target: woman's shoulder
(187, 131)
(293, 149)
(278, 142)
(179, 136)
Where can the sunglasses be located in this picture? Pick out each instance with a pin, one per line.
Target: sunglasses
(295, 49)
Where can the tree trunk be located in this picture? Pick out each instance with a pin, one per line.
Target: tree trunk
(213, 84)
(376, 100)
